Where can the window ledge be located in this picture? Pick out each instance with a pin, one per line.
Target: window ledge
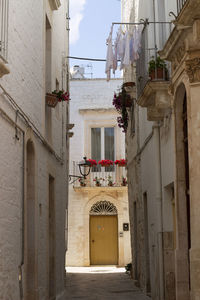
(3, 69)
(55, 4)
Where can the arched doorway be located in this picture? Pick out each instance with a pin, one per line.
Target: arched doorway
(30, 252)
(103, 234)
(182, 194)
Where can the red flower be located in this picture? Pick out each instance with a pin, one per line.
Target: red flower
(105, 162)
(92, 162)
(121, 162)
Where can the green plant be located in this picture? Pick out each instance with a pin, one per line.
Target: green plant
(61, 95)
(155, 64)
(110, 181)
(124, 181)
(123, 119)
(82, 182)
(128, 268)
(97, 181)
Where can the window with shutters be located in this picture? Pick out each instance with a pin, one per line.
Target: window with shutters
(103, 146)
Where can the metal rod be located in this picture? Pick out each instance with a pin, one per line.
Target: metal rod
(140, 23)
(86, 58)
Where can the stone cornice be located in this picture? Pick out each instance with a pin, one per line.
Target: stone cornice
(99, 110)
(192, 67)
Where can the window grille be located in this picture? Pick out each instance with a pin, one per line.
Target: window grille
(180, 4)
(103, 208)
(4, 29)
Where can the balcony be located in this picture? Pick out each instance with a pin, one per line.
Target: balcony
(152, 72)
(113, 177)
(152, 36)
(180, 5)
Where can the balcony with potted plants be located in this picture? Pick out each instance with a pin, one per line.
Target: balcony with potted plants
(153, 75)
(105, 174)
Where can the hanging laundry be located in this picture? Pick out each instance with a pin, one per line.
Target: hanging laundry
(109, 56)
(137, 32)
(127, 48)
(126, 60)
(115, 60)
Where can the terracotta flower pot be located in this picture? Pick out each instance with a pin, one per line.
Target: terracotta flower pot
(51, 100)
(128, 84)
(161, 74)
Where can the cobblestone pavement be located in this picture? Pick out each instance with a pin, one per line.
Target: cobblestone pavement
(101, 283)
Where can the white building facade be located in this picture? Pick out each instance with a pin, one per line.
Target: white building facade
(150, 152)
(92, 207)
(34, 154)
(163, 171)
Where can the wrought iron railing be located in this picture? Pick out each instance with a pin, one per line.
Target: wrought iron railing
(154, 36)
(180, 5)
(4, 4)
(113, 176)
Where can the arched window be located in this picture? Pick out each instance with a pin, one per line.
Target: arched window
(103, 208)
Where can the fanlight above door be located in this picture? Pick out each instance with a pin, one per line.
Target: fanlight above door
(103, 208)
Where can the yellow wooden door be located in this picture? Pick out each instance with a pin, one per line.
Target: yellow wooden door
(103, 240)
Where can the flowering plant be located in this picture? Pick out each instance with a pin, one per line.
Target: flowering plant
(82, 182)
(121, 162)
(97, 181)
(121, 101)
(117, 102)
(124, 181)
(92, 162)
(61, 95)
(105, 162)
(110, 181)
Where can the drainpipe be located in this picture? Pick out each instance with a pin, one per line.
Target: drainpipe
(22, 220)
(159, 203)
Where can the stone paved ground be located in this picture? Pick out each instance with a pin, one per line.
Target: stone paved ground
(101, 283)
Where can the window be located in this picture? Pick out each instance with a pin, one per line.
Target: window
(103, 146)
(4, 29)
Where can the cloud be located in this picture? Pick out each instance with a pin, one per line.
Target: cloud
(76, 15)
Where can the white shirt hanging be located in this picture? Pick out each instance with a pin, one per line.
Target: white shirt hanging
(126, 60)
(109, 56)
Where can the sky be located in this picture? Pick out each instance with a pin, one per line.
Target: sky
(90, 23)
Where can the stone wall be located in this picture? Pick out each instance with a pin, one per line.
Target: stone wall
(24, 91)
(91, 106)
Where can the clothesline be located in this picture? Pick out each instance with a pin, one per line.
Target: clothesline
(126, 48)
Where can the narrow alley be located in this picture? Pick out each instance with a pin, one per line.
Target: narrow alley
(101, 283)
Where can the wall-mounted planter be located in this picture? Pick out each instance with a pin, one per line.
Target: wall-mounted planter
(51, 100)
(160, 73)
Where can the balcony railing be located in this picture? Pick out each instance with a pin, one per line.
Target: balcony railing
(153, 39)
(4, 28)
(104, 175)
(180, 5)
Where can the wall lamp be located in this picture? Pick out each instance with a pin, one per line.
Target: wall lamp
(84, 169)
